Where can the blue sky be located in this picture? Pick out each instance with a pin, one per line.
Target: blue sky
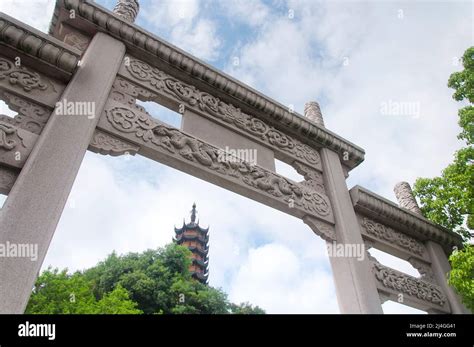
(352, 57)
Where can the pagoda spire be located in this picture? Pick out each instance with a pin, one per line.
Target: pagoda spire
(193, 214)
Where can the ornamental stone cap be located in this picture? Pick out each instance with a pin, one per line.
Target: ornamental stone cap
(312, 111)
(405, 197)
(127, 9)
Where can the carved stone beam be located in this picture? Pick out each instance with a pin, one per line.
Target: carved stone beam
(409, 290)
(184, 152)
(391, 240)
(156, 85)
(28, 84)
(107, 144)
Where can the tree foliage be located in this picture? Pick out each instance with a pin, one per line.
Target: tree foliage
(461, 276)
(153, 282)
(449, 199)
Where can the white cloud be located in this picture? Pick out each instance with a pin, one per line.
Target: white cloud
(253, 13)
(31, 12)
(168, 13)
(275, 278)
(183, 23)
(199, 39)
(403, 60)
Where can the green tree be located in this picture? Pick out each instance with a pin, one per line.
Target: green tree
(461, 276)
(117, 302)
(153, 282)
(58, 292)
(245, 308)
(449, 199)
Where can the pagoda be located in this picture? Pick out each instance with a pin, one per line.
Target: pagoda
(196, 239)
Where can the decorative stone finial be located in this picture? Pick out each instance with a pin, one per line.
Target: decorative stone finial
(405, 197)
(127, 9)
(312, 111)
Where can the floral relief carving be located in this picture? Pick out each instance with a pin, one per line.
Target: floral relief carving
(8, 136)
(221, 110)
(182, 145)
(382, 232)
(30, 116)
(106, 144)
(21, 76)
(410, 285)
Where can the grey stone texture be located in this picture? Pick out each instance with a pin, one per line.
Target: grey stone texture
(35, 203)
(312, 111)
(405, 197)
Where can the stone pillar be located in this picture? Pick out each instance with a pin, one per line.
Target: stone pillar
(405, 197)
(441, 268)
(355, 284)
(33, 208)
(312, 111)
(439, 260)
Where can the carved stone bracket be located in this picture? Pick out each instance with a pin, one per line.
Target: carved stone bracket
(324, 230)
(107, 144)
(158, 139)
(31, 117)
(386, 234)
(159, 82)
(76, 40)
(423, 268)
(403, 283)
(313, 179)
